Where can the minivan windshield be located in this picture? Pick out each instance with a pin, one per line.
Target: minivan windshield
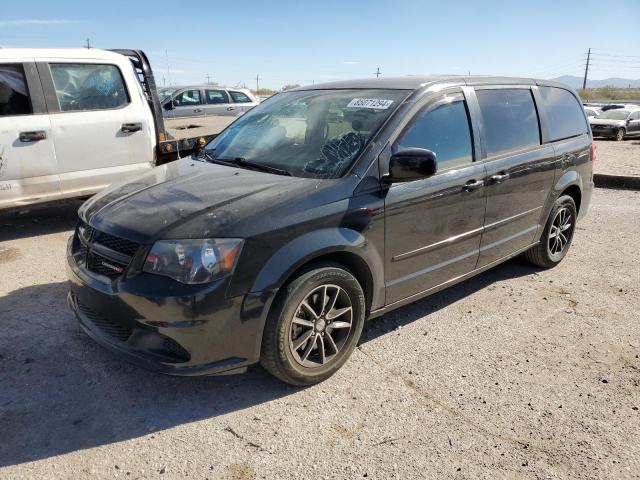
(308, 133)
(614, 115)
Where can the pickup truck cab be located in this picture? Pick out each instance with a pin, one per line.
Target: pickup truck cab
(73, 121)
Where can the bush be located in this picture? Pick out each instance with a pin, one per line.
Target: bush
(609, 93)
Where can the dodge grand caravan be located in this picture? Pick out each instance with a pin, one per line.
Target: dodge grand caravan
(322, 207)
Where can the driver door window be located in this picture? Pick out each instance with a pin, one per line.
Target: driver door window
(188, 98)
(83, 87)
(443, 127)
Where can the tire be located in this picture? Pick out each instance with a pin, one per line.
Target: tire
(333, 341)
(549, 253)
(620, 133)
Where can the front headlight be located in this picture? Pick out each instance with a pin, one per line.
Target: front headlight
(193, 261)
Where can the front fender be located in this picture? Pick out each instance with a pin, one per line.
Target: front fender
(312, 245)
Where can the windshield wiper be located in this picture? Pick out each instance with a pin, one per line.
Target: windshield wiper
(244, 163)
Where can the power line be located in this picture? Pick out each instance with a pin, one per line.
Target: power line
(614, 55)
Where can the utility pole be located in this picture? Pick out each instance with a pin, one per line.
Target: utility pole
(377, 73)
(257, 82)
(166, 56)
(208, 79)
(586, 69)
(88, 44)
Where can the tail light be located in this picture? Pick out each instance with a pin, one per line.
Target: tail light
(593, 152)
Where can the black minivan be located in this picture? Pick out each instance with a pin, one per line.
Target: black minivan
(322, 207)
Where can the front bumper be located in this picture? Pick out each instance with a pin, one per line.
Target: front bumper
(604, 131)
(167, 327)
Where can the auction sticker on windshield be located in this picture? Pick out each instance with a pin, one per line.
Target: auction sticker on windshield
(377, 103)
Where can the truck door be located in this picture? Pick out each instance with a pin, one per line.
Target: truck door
(102, 127)
(27, 157)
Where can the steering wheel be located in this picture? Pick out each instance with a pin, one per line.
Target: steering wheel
(335, 153)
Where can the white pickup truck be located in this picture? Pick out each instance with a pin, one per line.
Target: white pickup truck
(73, 121)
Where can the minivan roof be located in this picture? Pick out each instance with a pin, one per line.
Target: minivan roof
(415, 82)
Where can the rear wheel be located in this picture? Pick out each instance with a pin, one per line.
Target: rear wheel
(620, 133)
(557, 234)
(314, 326)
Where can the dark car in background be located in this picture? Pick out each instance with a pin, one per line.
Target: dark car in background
(322, 207)
(616, 123)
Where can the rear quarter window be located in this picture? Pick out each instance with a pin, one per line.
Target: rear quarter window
(239, 97)
(564, 114)
(510, 120)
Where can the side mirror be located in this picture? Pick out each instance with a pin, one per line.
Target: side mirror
(411, 164)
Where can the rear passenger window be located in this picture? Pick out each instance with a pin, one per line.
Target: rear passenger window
(564, 113)
(14, 97)
(444, 129)
(239, 97)
(216, 96)
(88, 87)
(510, 120)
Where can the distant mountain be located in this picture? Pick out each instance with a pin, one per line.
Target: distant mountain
(576, 82)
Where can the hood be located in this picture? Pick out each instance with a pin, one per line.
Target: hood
(607, 121)
(194, 199)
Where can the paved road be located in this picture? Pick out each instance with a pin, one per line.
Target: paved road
(517, 373)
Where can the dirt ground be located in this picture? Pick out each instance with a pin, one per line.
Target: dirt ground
(618, 158)
(516, 373)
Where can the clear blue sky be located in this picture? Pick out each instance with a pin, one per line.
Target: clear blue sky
(305, 41)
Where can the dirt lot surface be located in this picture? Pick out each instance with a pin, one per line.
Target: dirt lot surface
(517, 373)
(618, 158)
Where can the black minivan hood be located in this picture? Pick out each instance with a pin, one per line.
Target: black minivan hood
(195, 199)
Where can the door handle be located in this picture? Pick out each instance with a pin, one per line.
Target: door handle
(131, 127)
(197, 110)
(230, 108)
(472, 185)
(27, 137)
(499, 178)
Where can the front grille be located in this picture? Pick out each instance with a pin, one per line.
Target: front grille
(120, 245)
(102, 264)
(114, 330)
(175, 349)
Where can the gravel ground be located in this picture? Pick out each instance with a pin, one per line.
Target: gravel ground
(618, 158)
(517, 373)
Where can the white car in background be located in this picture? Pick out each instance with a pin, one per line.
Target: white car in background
(592, 112)
(208, 100)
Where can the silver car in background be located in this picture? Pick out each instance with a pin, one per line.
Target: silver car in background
(208, 100)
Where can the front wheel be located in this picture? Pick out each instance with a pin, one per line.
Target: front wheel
(314, 326)
(557, 234)
(620, 133)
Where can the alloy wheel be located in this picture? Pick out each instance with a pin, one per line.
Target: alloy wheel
(560, 231)
(321, 326)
